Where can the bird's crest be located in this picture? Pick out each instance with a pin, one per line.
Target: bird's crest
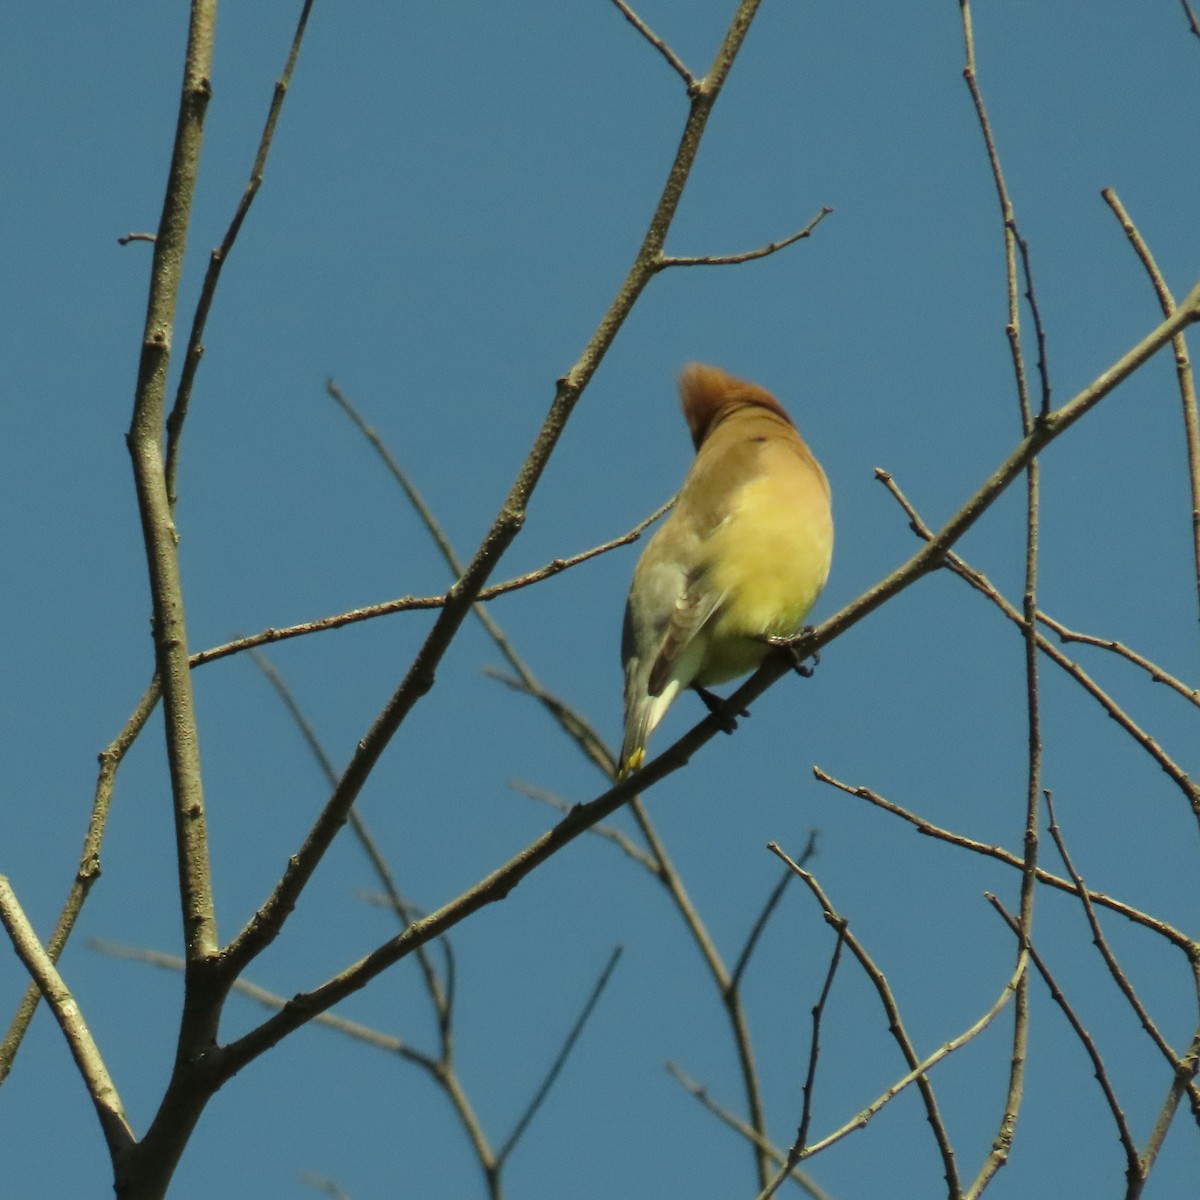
(707, 394)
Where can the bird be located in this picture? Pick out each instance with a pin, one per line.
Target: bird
(742, 557)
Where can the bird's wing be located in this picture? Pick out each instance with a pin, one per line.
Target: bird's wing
(692, 611)
(667, 609)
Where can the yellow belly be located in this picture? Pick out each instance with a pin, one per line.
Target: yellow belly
(770, 560)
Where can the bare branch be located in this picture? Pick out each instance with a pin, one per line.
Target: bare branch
(87, 872)
(195, 347)
(1169, 932)
(806, 855)
(268, 999)
(1191, 18)
(1183, 362)
(158, 525)
(103, 1092)
(985, 587)
(560, 1059)
(1014, 243)
(899, 1033)
(1110, 959)
(1156, 673)
(671, 57)
(608, 832)
(814, 1051)
(396, 902)
(412, 603)
(726, 260)
(1133, 1172)
(758, 1140)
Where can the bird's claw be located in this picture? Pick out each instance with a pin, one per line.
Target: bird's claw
(788, 646)
(720, 709)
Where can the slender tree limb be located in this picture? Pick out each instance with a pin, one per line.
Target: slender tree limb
(158, 526)
(814, 1050)
(1179, 1088)
(264, 927)
(1133, 1172)
(383, 873)
(806, 855)
(672, 59)
(421, 603)
(1183, 362)
(103, 1092)
(899, 1034)
(539, 1097)
(752, 1135)
(1177, 938)
(1193, 24)
(727, 989)
(354, 1030)
(984, 586)
(1156, 673)
(726, 260)
(86, 874)
(218, 258)
(1110, 959)
(609, 833)
(1014, 245)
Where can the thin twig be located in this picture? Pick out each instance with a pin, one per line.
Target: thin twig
(161, 538)
(727, 260)
(673, 60)
(814, 1050)
(322, 1183)
(268, 999)
(1191, 18)
(404, 913)
(217, 259)
(1156, 673)
(984, 586)
(917, 1074)
(1132, 1166)
(806, 855)
(1177, 938)
(1183, 362)
(899, 1032)
(104, 1096)
(1110, 959)
(608, 833)
(86, 873)
(136, 237)
(560, 1059)
(1015, 244)
(752, 1135)
(411, 603)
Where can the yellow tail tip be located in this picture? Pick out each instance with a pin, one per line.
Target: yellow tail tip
(632, 763)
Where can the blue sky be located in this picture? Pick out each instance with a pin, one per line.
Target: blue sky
(454, 195)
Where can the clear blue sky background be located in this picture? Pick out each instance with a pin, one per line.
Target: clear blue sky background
(455, 193)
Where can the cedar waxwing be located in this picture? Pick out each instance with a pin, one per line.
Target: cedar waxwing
(742, 557)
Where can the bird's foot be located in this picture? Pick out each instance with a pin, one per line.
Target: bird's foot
(720, 709)
(788, 646)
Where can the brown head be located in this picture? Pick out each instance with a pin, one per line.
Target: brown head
(708, 395)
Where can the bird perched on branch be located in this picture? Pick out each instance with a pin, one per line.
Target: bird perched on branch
(742, 557)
